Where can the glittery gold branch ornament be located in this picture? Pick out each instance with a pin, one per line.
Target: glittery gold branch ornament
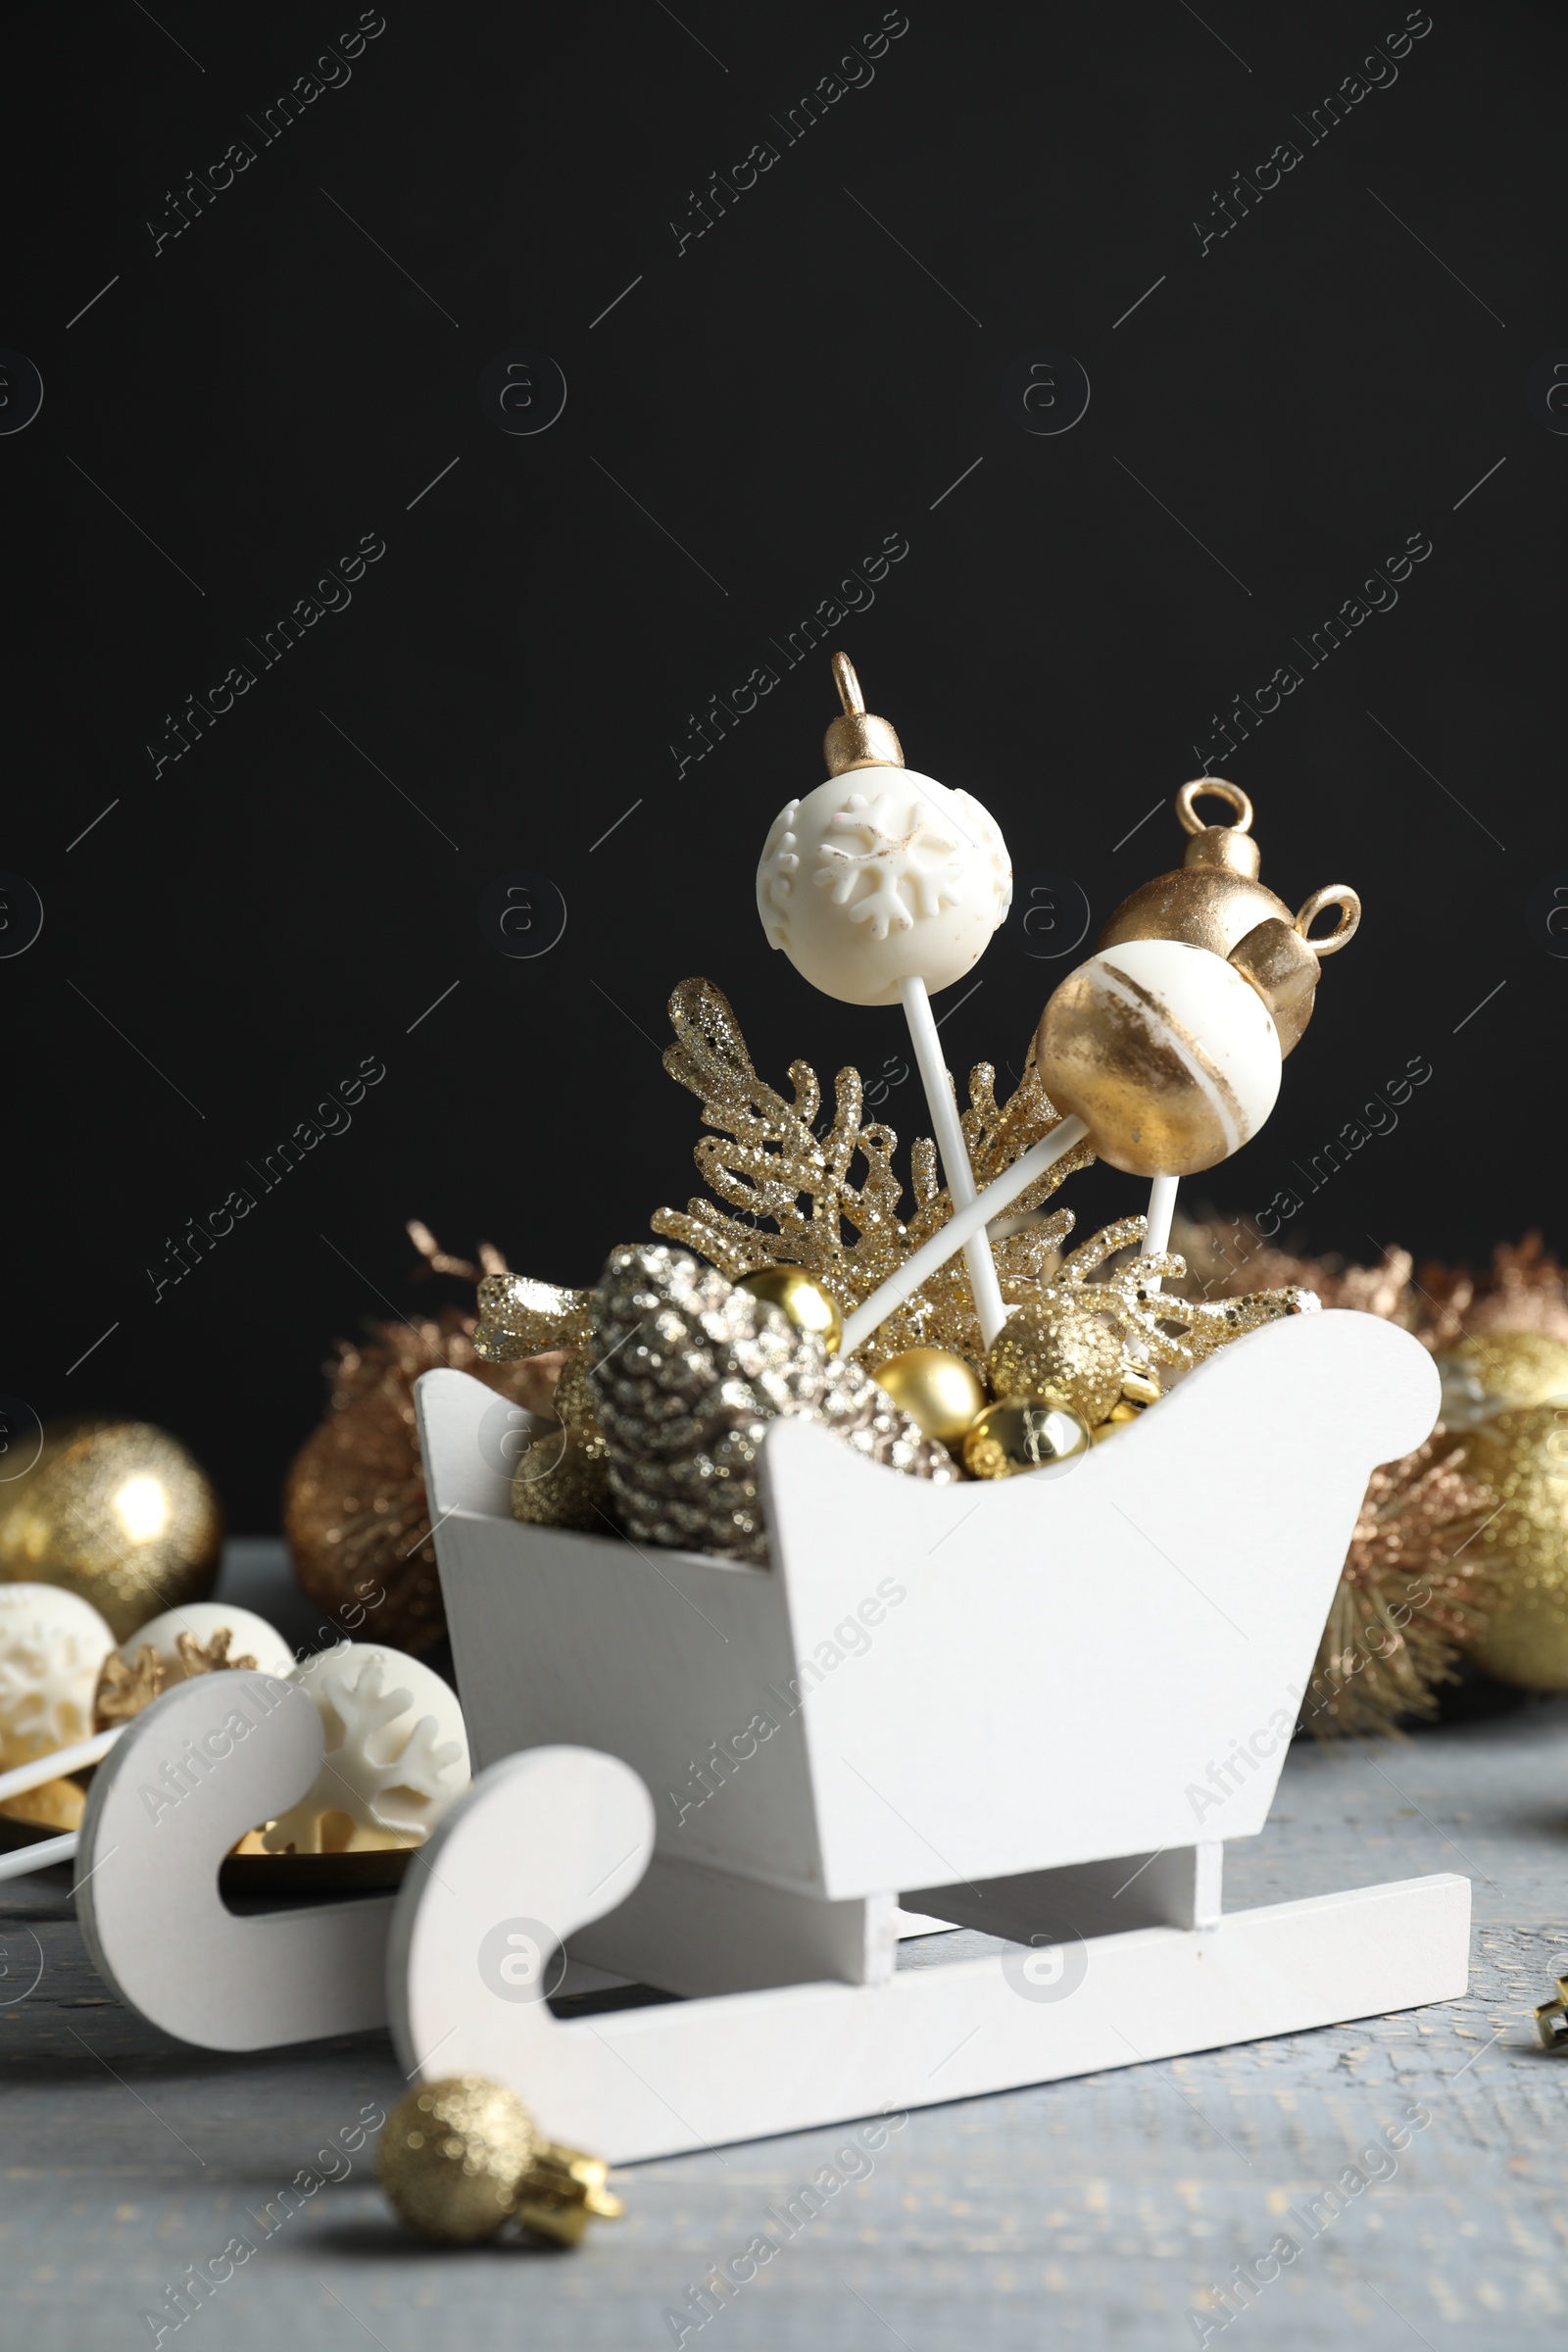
(562, 1475)
(1143, 1311)
(797, 1192)
(519, 1317)
(691, 1373)
(355, 1507)
(1407, 1599)
(124, 1691)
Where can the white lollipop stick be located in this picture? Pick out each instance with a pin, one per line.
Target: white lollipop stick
(950, 1238)
(1161, 1209)
(42, 1856)
(32, 1775)
(57, 1764)
(955, 1151)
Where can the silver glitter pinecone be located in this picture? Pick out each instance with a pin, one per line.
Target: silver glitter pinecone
(690, 1372)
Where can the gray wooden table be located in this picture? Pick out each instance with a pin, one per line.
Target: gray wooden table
(1100, 2211)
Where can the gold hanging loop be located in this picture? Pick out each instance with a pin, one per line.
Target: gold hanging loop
(1219, 789)
(1335, 894)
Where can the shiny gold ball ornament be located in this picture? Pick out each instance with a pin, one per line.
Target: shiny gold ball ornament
(116, 1511)
(939, 1391)
(454, 2155)
(461, 2157)
(1056, 1348)
(1018, 1434)
(1521, 1456)
(1216, 901)
(1494, 1369)
(809, 1306)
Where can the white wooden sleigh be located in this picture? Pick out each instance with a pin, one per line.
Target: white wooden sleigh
(1073, 1690)
(1039, 1707)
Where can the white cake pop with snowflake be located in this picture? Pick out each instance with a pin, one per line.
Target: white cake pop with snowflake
(880, 875)
(397, 1754)
(880, 886)
(52, 1647)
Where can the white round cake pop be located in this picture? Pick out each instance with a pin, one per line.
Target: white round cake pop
(1166, 1051)
(249, 1637)
(52, 1647)
(397, 1754)
(879, 877)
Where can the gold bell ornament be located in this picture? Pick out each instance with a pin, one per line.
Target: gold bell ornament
(1168, 1041)
(461, 2157)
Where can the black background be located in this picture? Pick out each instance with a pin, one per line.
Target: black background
(784, 393)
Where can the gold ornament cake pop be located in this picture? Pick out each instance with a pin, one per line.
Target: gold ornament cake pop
(1214, 899)
(1168, 1041)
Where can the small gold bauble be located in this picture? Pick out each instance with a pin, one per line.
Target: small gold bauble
(1139, 1387)
(806, 1302)
(116, 1511)
(1522, 1456)
(1515, 1367)
(454, 2157)
(1118, 1417)
(1018, 1434)
(1058, 1349)
(936, 1389)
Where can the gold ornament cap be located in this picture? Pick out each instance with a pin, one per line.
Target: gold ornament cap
(1228, 847)
(1216, 901)
(1551, 2019)
(857, 738)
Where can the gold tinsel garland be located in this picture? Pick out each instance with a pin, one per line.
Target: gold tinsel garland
(1408, 1596)
(1476, 1518)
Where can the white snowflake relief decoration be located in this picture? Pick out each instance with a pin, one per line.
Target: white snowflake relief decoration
(906, 844)
(384, 1780)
